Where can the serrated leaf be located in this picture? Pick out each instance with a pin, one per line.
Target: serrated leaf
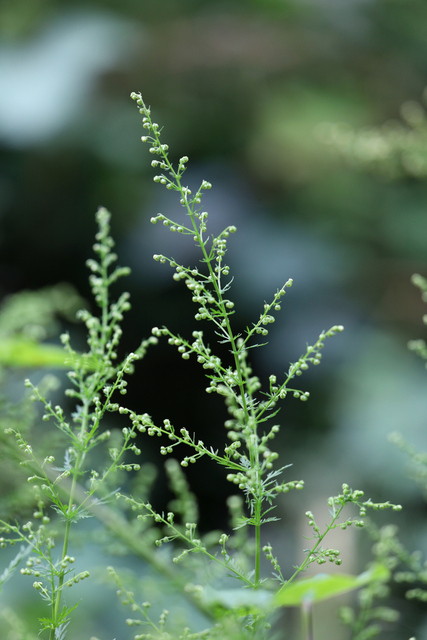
(61, 622)
(8, 572)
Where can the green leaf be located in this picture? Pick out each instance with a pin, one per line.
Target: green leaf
(24, 352)
(243, 600)
(8, 572)
(323, 586)
(62, 618)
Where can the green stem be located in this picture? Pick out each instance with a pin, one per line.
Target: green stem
(254, 455)
(79, 461)
(241, 378)
(309, 558)
(257, 541)
(57, 601)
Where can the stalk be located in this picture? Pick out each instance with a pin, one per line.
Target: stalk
(71, 500)
(227, 329)
(257, 541)
(241, 384)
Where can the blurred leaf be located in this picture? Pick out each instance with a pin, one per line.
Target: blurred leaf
(323, 586)
(246, 600)
(23, 352)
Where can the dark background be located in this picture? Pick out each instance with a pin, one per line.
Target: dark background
(246, 90)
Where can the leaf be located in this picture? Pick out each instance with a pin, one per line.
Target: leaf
(61, 631)
(244, 600)
(323, 586)
(24, 352)
(61, 622)
(7, 573)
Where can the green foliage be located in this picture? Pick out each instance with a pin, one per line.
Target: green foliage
(93, 389)
(323, 586)
(394, 150)
(93, 460)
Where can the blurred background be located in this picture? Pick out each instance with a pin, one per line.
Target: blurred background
(307, 118)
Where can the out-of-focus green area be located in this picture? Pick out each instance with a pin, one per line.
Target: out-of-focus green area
(248, 90)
